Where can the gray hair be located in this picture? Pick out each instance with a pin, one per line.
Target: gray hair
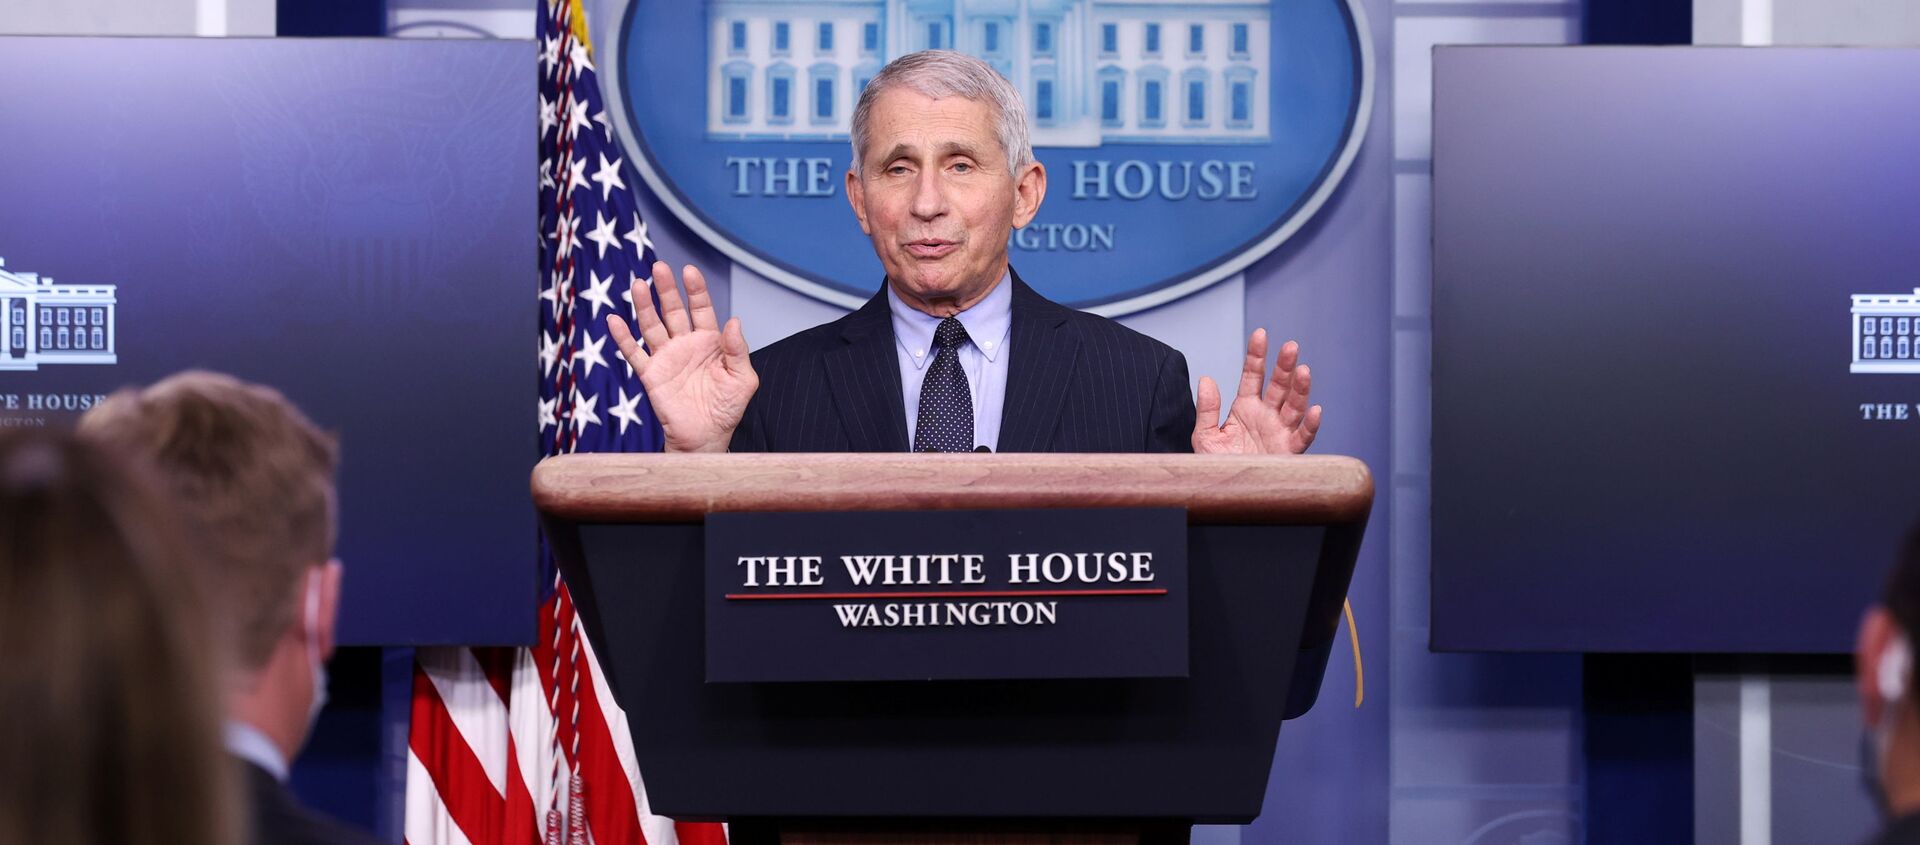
(945, 73)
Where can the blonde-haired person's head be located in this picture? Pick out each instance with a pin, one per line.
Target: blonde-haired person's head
(255, 479)
(109, 705)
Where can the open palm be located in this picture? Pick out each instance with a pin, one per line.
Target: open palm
(1274, 419)
(698, 376)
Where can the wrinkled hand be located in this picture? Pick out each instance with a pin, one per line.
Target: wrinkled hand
(1274, 420)
(698, 376)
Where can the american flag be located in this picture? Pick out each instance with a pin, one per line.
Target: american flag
(527, 746)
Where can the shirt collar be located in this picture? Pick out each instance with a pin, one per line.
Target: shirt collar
(248, 743)
(987, 323)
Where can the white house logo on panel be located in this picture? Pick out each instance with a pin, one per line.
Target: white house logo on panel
(1183, 139)
(43, 322)
(1886, 332)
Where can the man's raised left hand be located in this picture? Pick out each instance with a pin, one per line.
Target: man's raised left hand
(1270, 419)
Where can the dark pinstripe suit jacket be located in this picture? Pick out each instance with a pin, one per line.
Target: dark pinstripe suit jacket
(1076, 383)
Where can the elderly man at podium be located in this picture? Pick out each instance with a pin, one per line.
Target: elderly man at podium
(955, 353)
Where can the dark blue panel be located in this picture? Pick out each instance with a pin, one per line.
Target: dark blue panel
(330, 18)
(348, 220)
(1649, 266)
(1637, 22)
(1639, 748)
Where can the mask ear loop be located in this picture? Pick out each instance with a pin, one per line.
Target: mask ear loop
(310, 616)
(316, 661)
(1896, 665)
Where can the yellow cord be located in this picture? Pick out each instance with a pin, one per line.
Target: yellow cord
(1359, 674)
(579, 17)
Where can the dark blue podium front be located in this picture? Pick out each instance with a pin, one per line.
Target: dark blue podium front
(1271, 544)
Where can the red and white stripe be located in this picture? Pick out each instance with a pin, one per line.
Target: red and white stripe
(526, 746)
(482, 751)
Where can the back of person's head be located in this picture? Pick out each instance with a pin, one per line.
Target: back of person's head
(254, 478)
(109, 710)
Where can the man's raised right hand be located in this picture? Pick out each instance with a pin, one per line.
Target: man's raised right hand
(698, 376)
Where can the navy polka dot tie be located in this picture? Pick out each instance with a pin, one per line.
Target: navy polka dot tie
(946, 403)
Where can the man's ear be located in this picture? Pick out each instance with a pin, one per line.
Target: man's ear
(1028, 191)
(330, 574)
(857, 197)
(1877, 633)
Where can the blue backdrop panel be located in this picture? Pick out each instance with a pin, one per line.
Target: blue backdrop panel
(346, 220)
(1661, 421)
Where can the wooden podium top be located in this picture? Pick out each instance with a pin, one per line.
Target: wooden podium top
(1245, 489)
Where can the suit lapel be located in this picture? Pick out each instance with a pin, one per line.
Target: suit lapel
(1044, 355)
(864, 375)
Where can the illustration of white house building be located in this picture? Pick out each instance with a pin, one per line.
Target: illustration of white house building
(1886, 332)
(43, 322)
(1091, 71)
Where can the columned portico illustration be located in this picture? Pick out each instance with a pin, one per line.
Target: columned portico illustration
(1091, 71)
(43, 322)
(1886, 332)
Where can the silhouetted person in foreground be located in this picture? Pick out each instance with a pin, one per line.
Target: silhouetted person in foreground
(109, 697)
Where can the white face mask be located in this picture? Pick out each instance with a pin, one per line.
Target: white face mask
(310, 622)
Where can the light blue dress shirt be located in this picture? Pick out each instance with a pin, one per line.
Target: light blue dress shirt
(248, 743)
(984, 357)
